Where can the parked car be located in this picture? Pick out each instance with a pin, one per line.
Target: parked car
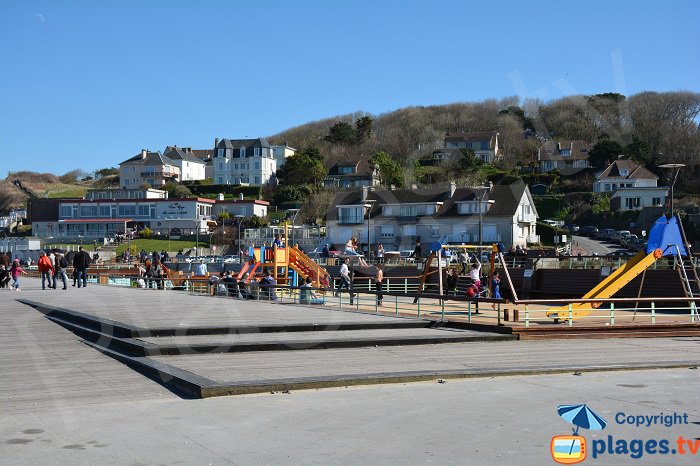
(589, 230)
(605, 233)
(572, 228)
(619, 235)
(549, 222)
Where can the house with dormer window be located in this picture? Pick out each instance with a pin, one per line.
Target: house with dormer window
(346, 172)
(564, 154)
(484, 144)
(192, 168)
(632, 186)
(148, 168)
(243, 161)
(398, 218)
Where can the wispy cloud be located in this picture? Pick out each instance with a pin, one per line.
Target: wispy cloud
(41, 17)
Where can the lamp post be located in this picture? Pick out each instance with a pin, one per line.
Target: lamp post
(368, 205)
(238, 224)
(481, 216)
(294, 219)
(677, 167)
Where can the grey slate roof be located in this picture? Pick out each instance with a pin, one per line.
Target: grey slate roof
(506, 199)
(238, 143)
(152, 158)
(180, 153)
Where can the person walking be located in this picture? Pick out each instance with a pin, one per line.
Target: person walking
(418, 251)
(379, 282)
(46, 269)
(81, 261)
(60, 265)
(345, 281)
(15, 272)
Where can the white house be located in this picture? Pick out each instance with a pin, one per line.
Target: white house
(282, 153)
(399, 218)
(192, 168)
(243, 161)
(633, 187)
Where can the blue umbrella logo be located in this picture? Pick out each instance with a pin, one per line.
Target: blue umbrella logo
(581, 416)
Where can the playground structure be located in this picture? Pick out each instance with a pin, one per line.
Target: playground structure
(496, 255)
(288, 265)
(666, 239)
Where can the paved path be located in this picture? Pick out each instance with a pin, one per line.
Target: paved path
(45, 366)
(500, 421)
(593, 246)
(61, 402)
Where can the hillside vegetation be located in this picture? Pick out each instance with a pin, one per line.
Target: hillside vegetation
(650, 127)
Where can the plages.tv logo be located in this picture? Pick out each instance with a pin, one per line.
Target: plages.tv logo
(572, 449)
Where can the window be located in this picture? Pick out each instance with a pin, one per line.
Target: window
(66, 211)
(469, 145)
(607, 187)
(219, 152)
(408, 211)
(257, 165)
(345, 169)
(565, 152)
(350, 215)
(143, 210)
(386, 231)
(126, 182)
(656, 201)
(624, 172)
(219, 180)
(434, 231)
(242, 152)
(235, 166)
(484, 145)
(257, 179)
(632, 202)
(104, 211)
(221, 166)
(127, 210)
(256, 152)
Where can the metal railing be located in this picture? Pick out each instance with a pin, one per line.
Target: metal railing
(611, 311)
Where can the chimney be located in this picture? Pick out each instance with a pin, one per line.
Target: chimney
(365, 190)
(221, 196)
(453, 188)
(216, 142)
(240, 196)
(144, 153)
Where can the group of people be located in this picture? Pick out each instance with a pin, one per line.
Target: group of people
(52, 267)
(55, 265)
(225, 284)
(152, 272)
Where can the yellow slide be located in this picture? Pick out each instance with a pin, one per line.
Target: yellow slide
(608, 287)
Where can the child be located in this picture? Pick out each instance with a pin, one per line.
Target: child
(16, 271)
(475, 273)
(496, 287)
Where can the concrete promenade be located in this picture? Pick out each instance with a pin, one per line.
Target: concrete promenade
(63, 402)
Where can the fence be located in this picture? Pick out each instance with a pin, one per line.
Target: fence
(611, 311)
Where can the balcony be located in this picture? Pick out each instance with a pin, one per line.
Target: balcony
(351, 220)
(527, 218)
(407, 219)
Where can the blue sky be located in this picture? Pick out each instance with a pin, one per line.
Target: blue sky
(87, 84)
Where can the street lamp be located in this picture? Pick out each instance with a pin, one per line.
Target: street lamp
(677, 167)
(481, 216)
(368, 205)
(240, 250)
(294, 219)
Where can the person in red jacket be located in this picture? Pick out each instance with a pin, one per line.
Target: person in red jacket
(46, 268)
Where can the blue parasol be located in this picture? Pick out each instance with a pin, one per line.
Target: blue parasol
(581, 416)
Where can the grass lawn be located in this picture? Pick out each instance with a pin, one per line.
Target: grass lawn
(151, 245)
